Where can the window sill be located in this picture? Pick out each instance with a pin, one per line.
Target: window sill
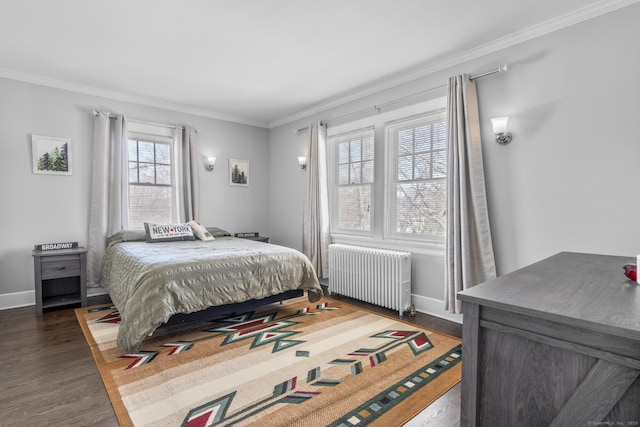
(415, 247)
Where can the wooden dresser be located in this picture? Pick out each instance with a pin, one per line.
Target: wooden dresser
(556, 343)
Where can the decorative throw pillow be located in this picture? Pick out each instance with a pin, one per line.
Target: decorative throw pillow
(200, 232)
(168, 232)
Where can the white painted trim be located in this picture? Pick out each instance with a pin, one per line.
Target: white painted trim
(434, 307)
(27, 298)
(575, 17)
(439, 103)
(118, 96)
(17, 299)
(95, 291)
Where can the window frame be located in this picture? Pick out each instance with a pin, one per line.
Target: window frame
(156, 134)
(378, 235)
(391, 170)
(155, 163)
(334, 142)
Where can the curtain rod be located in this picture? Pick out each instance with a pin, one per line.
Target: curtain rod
(144, 122)
(501, 69)
(307, 127)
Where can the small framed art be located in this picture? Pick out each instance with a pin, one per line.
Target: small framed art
(51, 155)
(239, 172)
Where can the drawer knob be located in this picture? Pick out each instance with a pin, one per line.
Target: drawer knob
(62, 267)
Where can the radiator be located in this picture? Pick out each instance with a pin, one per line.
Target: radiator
(378, 276)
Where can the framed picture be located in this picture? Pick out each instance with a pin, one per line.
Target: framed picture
(51, 155)
(239, 172)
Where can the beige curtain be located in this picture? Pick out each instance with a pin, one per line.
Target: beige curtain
(188, 199)
(315, 236)
(469, 256)
(108, 212)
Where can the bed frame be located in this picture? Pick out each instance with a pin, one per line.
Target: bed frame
(227, 309)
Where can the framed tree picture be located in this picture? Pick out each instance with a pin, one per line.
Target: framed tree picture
(239, 172)
(51, 155)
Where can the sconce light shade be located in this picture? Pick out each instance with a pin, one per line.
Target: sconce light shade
(503, 136)
(302, 161)
(211, 162)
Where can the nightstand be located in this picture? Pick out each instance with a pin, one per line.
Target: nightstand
(60, 278)
(252, 236)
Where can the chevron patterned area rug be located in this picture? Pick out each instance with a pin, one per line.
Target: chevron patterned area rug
(320, 364)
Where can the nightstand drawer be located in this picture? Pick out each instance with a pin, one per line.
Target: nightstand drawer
(60, 277)
(60, 266)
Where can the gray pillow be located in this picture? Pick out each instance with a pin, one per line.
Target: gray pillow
(127, 236)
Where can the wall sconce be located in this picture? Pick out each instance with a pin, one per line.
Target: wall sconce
(503, 136)
(302, 161)
(211, 162)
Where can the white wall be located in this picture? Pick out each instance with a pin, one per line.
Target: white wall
(48, 208)
(568, 180)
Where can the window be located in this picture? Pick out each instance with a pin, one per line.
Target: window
(398, 157)
(150, 184)
(151, 166)
(353, 173)
(417, 177)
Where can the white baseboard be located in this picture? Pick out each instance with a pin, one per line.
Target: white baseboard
(434, 307)
(431, 306)
(27, 298)
(94, 292)
(17, 299)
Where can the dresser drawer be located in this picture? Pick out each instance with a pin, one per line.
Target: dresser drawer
(60, 266)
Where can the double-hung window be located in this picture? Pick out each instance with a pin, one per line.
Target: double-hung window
(399, 158)
(151, 161)
(417, 172)
(353, 174)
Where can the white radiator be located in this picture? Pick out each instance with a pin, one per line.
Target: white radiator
(378, 276)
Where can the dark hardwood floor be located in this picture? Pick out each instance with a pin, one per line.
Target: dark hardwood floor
(48, 376)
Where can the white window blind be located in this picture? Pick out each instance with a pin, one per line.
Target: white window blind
(353, 176)
(416, 177)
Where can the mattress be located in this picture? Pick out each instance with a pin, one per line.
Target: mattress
(150, 282)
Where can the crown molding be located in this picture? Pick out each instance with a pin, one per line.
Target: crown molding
(580, 15)
(118, 96)
(575, 17)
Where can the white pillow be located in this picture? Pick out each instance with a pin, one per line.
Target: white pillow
(200, 232)
(168, 232)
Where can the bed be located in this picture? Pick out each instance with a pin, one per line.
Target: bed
(151, 282)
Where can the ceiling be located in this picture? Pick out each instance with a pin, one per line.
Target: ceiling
(260, 62)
